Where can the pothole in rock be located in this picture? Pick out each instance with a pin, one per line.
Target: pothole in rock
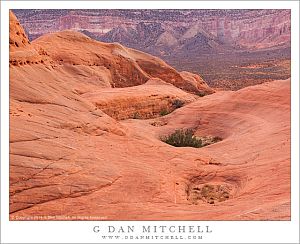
(209, 193)
(186, 138)
(211, 187)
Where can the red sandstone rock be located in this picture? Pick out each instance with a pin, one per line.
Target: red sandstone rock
(124, 67)
(68, 158)
(21, 51)
(152, 99)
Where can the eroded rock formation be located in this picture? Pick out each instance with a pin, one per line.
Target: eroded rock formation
(69, 158)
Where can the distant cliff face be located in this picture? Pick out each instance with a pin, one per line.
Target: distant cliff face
(217, 44)
(164, 29)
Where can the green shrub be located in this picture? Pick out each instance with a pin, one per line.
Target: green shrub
(183, 138)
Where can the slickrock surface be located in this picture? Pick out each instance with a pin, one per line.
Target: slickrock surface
(68, 157)
(120, 66)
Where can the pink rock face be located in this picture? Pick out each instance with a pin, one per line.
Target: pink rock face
(252, 31)
(71, 156)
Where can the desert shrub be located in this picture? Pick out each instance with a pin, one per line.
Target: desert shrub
(183, 138)
(177, 103)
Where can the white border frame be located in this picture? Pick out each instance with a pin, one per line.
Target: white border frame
(81, 231)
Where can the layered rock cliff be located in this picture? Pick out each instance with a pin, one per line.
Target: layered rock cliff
(150, 29)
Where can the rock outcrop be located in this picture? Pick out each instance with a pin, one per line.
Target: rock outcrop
(21, 51)
(153, 99)
(123, 67)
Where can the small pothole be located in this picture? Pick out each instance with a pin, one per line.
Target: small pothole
(209, 193)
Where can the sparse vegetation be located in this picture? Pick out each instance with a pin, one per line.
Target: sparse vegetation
(183, 138)
(177, 103)
(164, 112)
(233, 71)
(201, 94)
(186, 138)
